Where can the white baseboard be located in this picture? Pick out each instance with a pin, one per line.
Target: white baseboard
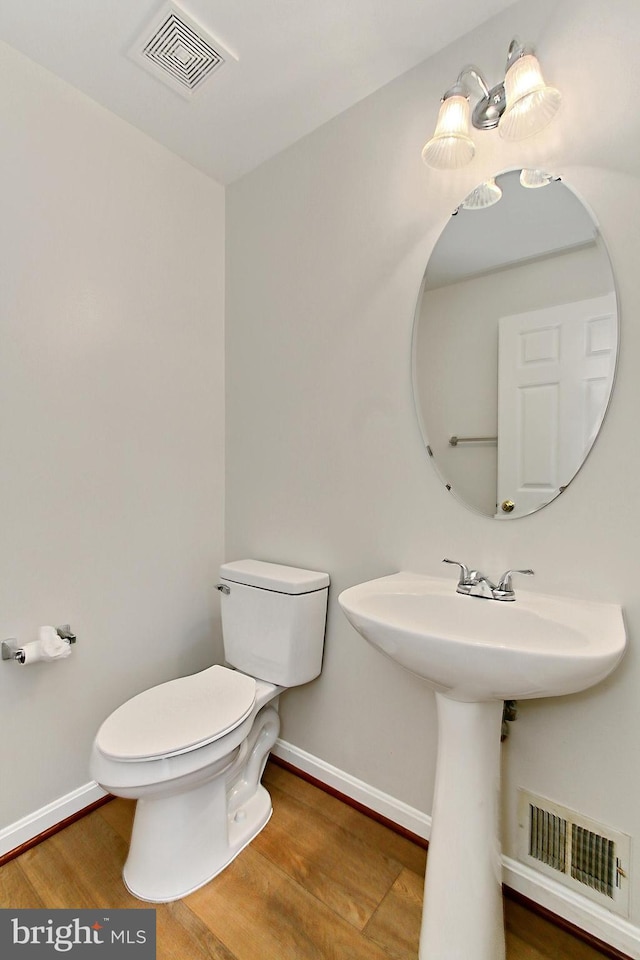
(35, 823)
(591, 917)
(387, 806)
(546, 892)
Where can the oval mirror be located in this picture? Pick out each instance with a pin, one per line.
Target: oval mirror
(515, 344)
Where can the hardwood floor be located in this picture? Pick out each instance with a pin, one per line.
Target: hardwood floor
(321, 882)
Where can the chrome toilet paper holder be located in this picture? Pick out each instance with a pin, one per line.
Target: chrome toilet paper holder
(11, 650)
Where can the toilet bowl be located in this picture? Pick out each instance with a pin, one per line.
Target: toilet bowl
(192, 751)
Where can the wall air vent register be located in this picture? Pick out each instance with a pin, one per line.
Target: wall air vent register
(178, 51)
(578, 852)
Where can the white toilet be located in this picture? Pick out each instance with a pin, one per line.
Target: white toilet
(192, 751)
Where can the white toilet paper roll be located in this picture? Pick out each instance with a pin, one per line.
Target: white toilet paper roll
(32, 652)
(49, 646)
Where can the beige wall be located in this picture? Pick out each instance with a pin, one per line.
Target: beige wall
(111, 423)
(327, 244)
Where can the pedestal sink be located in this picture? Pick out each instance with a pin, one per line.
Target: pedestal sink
(476, 653)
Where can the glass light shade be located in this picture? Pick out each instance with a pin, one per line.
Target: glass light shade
(531, 104)
(451, 146)
(483, 196)
(532, 179)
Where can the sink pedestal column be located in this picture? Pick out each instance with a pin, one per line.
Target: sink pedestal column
(462, 915)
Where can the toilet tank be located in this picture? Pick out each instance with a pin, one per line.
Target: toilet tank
(273, 620)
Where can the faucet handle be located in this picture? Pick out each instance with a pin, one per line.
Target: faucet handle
(465, 575)
(504, 583)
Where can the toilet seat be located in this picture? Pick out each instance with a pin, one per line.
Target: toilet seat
(178, 716)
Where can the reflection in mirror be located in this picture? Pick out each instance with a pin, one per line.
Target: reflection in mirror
(515, 345)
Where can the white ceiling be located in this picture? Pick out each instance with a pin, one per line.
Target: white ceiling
(524, 225)
(300, 63)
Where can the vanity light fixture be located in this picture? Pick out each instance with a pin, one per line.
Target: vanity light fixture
(489, 192)
(483, 196)
(532, 179)
(520, 106)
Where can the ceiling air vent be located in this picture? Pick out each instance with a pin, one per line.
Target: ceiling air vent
(178, 51)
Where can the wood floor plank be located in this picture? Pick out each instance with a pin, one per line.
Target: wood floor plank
(16, 890)
(54, 877)
(390, 843)
(81, 866)
(119, 815)
(181, 935)
(349, 876)
(518, 949)
(260, 913)
(549, 940)
(395, 926)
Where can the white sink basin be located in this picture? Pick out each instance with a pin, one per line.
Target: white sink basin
(476, 653)
(475, 649)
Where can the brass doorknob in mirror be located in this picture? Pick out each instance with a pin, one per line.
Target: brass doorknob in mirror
(507, 506)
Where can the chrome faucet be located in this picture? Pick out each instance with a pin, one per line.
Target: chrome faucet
(472, 583)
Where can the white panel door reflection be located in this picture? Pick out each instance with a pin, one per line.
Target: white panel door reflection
(555, 368)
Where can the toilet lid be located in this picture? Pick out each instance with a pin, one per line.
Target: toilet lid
(178, 716)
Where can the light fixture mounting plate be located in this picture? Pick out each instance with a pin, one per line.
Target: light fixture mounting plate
(487, 111)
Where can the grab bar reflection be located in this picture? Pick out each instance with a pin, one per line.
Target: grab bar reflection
(454, 441)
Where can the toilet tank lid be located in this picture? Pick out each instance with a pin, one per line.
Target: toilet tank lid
(274, 576)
